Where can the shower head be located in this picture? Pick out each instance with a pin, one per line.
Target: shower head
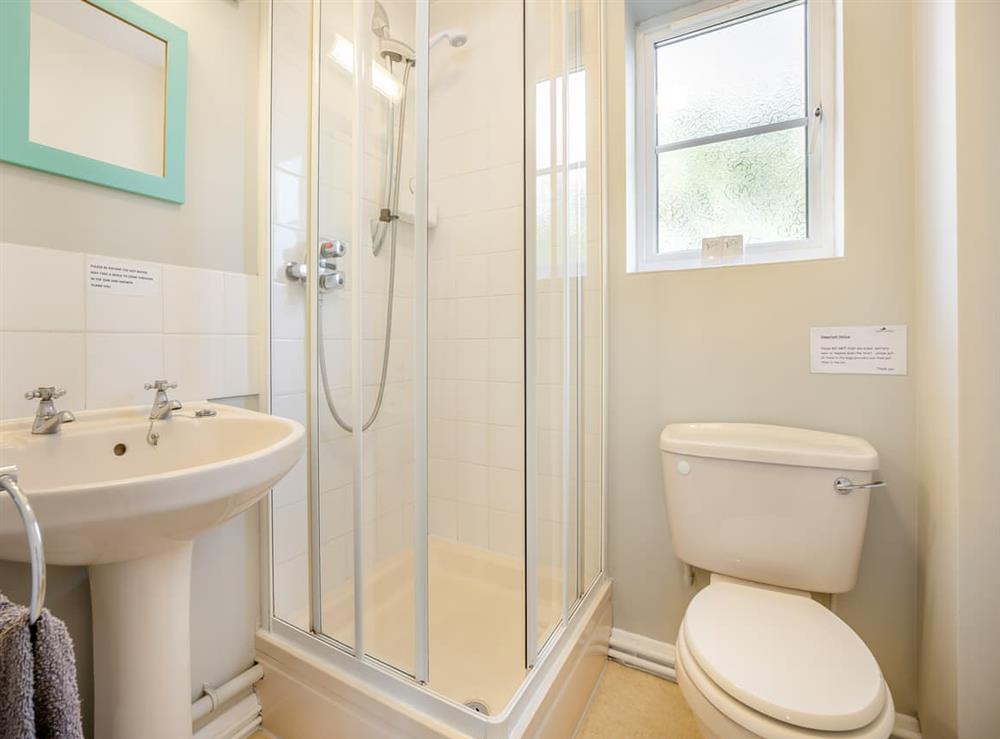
(456, 37)
(395, 50)
(389, 48)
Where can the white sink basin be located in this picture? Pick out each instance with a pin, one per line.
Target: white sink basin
(103, 494)
(106, 498)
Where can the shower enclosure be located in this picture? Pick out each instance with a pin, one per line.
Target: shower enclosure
(437, 323)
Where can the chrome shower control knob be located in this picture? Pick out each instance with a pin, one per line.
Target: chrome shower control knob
(296, 271)
(332, 249)
(334, 279)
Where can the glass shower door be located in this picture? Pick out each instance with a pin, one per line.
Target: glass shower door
(436, 168)
(364, 373)
(565, 297)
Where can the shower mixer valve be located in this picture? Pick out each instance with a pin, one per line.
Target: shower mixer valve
(332, 249)
(329, 276)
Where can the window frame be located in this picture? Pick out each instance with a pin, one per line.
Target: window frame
(823, 132)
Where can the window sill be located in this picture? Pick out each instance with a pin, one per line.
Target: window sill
(755, 255)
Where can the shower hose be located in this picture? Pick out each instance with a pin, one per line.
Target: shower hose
(393, 199)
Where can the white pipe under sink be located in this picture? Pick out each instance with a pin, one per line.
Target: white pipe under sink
(215, 698)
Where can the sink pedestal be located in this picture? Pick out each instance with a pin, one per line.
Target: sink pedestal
(142, 646)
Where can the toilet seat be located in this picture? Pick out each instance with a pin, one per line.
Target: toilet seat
(777, 656)
(722, 716)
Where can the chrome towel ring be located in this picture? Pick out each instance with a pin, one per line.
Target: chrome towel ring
(8, 481)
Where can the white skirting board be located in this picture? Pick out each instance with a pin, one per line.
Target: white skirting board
(238, 721)
(658, 658)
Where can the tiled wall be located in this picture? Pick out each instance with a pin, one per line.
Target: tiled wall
(476, 367)
(197, 329)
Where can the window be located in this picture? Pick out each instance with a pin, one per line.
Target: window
(550, 171)
(736, 136)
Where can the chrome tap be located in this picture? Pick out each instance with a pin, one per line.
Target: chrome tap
(162, 405)
(47, 418)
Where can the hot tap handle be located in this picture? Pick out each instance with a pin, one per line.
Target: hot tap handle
(160, 385)
(45, 392)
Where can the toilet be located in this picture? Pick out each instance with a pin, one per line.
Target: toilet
(757, 507)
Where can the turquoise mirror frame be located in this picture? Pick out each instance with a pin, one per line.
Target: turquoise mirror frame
(17, 148)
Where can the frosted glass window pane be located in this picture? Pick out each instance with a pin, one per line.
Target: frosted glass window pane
(755, 186)
(740, 76)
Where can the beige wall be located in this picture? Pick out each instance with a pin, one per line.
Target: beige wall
(733, 344)
(214, 228)
(977, 113)
(935, 362)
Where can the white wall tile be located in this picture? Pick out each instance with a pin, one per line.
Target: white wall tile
(474, 525)
(507, 360)
(196, 364)
(241, 366)
(506, 403)
(291, 591)
(471, 483)
(290, 406)
(472, 442)
(287, 245)
(471, 318)
(118, 365)
(506, 490)
(288, 306)
(337, 562)
(242, 303)
(41, 289)
(471, 400)
(506, 449)
(506, 275)
(288, 366)
(507, 533)
(290, 527)
(289, 191)
(116, 312)
(193, 300)
(337, 512)
(441, 478)
(28, 360)
(506, 316)
(292, 487)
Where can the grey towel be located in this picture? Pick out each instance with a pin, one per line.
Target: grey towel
(38, 693)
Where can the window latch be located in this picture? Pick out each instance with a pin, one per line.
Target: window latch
(817, 118)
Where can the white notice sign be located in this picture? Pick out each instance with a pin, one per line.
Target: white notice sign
(122, 277)
(858, 350)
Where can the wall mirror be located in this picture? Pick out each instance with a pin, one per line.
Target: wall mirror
(94, 90)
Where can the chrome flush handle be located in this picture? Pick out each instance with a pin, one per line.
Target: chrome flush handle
(844, 486)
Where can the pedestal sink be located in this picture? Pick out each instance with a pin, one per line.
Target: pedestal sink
(107, 498)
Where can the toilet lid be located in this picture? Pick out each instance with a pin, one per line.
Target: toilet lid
(785, 655)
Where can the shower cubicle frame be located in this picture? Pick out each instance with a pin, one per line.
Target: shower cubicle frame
(542, 661)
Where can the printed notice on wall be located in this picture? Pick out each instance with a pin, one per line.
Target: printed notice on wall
(122, 277)
(858, 350)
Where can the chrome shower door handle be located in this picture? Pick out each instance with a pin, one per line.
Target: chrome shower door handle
(844, 486)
